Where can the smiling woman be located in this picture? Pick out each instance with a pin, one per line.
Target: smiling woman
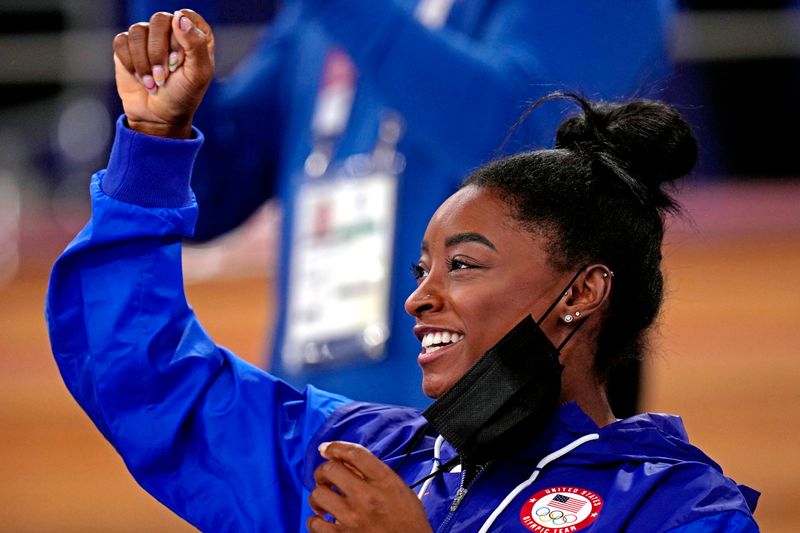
(538, 276)
(476, 284)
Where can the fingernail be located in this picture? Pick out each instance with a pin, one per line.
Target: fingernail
(149, 83)
(137, 77)
(322, 447)
(173, 61)
(159, 75)
(184, 23)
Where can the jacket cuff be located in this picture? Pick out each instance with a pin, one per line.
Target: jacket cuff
(150, 171)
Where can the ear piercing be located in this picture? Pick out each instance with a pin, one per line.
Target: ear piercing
(568, 318)
(577, 314)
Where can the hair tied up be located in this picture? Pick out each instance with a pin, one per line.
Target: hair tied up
(643, 144)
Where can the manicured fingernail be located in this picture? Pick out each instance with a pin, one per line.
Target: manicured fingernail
(159, 75)
(184, 23)
(173, 61)
(149, 83)
(322, 447)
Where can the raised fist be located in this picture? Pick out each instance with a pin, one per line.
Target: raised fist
(163, 68)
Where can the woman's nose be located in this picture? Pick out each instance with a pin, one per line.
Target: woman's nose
(425, 298)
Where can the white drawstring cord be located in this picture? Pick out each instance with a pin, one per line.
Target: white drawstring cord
(528, 482)
(437, 451)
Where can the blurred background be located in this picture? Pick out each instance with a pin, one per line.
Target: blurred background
(725, 354)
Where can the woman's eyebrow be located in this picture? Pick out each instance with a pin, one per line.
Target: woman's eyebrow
(459, 238)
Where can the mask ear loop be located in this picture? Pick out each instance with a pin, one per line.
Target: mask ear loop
(446, 467)
(555, 303)
(570, 334)
(561, 295)
(415, 440)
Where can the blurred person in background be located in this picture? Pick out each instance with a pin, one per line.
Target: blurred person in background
(527, 440)
(361, 117)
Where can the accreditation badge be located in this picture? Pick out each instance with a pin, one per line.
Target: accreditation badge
(340, 268)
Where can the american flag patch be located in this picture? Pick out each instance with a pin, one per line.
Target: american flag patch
(565, 503)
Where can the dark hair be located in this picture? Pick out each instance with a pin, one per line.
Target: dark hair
(600, 197)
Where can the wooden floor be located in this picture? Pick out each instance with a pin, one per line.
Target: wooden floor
(725, 357)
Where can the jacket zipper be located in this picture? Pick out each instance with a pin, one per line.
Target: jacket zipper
(457, 500)
(459, 497)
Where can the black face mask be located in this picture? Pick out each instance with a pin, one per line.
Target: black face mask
(500, 404)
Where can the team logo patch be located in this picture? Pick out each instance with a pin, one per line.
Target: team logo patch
(561, 510)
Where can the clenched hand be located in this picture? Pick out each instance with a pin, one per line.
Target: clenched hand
(163, 68)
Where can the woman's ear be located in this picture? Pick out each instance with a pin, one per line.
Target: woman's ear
(588, 294)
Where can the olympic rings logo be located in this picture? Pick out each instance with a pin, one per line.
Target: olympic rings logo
(559, 518)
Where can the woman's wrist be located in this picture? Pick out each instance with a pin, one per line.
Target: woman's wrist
(159, 129)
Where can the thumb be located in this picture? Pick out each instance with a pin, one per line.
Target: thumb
(197, 40)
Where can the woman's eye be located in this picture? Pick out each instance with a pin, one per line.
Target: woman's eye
(457, 264)
(418, 272)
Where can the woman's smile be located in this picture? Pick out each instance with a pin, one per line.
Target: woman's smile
(436, 342)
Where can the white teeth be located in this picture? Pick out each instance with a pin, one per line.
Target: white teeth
(433, 341)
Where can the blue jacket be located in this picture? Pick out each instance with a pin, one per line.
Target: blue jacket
(229, 447)
(459, 90)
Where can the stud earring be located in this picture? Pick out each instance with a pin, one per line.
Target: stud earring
(577, 314)
(568, 318)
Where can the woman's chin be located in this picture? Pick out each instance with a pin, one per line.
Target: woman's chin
(433, 387)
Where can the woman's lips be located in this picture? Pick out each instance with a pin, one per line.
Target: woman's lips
(431, 354)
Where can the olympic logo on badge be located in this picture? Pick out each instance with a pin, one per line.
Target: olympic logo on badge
(559, 518)
(561, 509)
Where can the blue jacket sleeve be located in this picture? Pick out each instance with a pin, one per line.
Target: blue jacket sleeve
(217, 440)
(475, 86)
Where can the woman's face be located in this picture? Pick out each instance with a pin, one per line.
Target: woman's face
(479, 274)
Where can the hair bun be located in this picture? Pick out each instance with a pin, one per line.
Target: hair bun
(643, 142)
